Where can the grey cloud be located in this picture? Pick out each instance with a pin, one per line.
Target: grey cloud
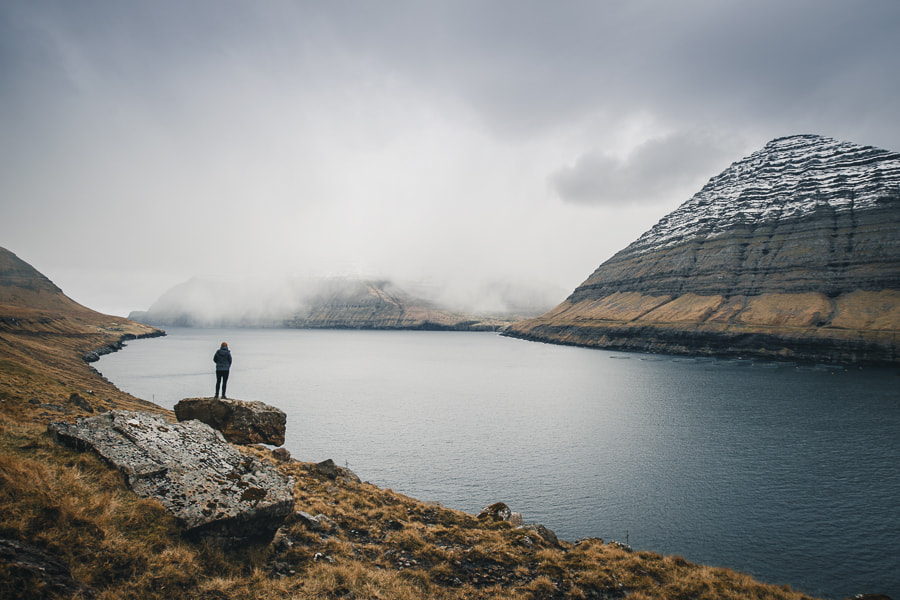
(528, 66)
(522, 66)
(652, 169)
(395, 137)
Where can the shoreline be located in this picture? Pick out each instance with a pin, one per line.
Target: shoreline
(700, 344)
(480, 575)
(94, 355)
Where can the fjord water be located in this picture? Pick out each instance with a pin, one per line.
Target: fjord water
(789, 473)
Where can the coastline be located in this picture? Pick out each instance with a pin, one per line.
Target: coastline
(444, 553)
(782, 344)
(94, 355)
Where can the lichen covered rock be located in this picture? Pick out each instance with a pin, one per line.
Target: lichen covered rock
(217, 492)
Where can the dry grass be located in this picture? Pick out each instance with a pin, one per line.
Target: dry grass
(370, 543)
(630, 320)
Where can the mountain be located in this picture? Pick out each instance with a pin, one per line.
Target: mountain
(330, 303)
(29, 301)
(792, 252)
(46, 339)
(24, 288)
(31, 304)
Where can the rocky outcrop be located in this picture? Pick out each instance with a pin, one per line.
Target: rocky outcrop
(500, 512)
(240, 421)
(214, 490)
(329, 469)
(792, 252)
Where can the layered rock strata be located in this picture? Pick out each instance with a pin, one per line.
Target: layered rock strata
(214, 490)
(792, 252)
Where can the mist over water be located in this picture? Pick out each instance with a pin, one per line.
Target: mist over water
(270, 301)
(788, 473)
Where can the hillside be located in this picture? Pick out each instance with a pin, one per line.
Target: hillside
(44, 336)
(792, 252)
(327, 303)
(70, 528)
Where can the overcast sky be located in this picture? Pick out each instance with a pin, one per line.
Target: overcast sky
(461, 142)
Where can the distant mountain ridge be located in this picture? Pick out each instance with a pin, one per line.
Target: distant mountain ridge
(792, 252)
(327, 303)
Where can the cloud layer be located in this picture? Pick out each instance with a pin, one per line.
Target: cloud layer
(462, 142)
(652, 170)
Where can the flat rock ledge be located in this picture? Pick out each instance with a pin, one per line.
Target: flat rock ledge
(240, 421)
(215, 491)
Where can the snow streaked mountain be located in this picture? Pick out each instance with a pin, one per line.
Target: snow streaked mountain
(804, 214)
(792, 252)
(789, 178)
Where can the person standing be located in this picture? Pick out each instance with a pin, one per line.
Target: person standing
(222, 358)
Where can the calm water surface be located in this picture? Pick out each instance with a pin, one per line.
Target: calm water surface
(791, 474)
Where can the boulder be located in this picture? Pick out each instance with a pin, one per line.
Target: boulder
(327, 468)
(281, 454)
(545, 533)
(240, 421)
(498, 511)
(213, 489)
(501, 512)
(330, 470)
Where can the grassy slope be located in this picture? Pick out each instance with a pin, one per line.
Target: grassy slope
(374, 543)
(866, 325)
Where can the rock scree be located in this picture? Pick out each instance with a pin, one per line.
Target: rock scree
(240, 421)
(215, 491)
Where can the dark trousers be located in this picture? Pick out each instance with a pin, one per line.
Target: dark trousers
(221, 378)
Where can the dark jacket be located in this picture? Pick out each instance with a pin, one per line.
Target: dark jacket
(222, 358)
